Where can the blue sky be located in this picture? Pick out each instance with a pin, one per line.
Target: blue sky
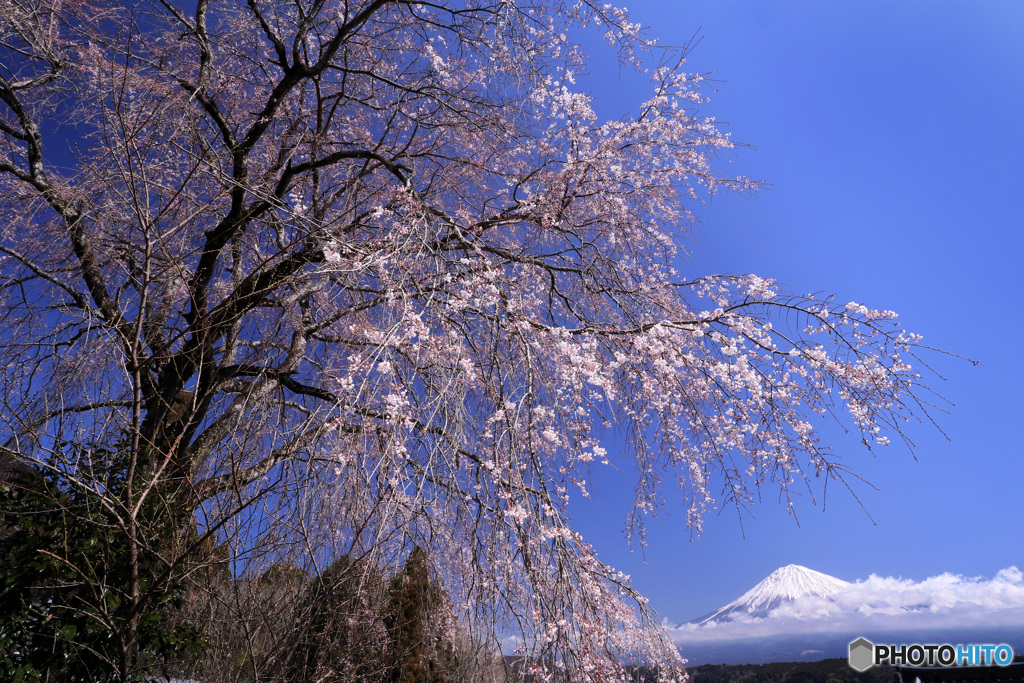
(891, 137)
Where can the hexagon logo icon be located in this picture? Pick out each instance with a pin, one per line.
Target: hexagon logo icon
(862, 655)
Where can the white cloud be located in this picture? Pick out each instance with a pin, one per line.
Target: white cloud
(880, 603)
(511, 644)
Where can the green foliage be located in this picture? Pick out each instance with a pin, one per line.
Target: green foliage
(68, 610)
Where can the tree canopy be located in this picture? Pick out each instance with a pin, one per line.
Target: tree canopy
(358, 275)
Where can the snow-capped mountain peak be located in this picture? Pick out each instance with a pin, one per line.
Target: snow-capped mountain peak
(782, 585)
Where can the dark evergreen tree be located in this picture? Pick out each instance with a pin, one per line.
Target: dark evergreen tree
(340, 634)
(419, 624)
(72, 576)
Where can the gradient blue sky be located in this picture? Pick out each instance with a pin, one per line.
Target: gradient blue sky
(891, 136)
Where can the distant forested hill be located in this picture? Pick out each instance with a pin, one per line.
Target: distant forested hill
(825, 671)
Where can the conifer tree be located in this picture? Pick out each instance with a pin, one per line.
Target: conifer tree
(340, 634)
(420, 625)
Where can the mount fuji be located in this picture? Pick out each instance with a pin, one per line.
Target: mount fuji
(782, 585)
(824, 617)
